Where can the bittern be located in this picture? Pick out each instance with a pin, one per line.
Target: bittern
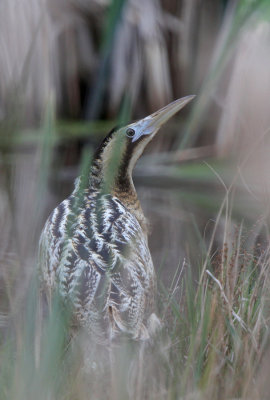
(94, 246)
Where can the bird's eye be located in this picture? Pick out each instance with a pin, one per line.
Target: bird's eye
(130, 132)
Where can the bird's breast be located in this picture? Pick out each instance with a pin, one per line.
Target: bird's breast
(101, 262)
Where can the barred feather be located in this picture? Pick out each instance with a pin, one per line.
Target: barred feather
(104, 269)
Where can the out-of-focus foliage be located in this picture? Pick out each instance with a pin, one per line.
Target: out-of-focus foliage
(143, 52)
(69, 71)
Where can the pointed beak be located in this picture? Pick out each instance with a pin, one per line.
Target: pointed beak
(153, 122)
(161, 116)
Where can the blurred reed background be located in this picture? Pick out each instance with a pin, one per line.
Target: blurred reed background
(71, 70)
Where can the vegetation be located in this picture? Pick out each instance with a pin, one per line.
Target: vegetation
(204, 184)
(214, 337)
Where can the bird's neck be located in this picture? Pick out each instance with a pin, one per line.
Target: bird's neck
(125, 191)
(119, 184)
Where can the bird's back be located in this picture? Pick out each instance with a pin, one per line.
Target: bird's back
(95, 255)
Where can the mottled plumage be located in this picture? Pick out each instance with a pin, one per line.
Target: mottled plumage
(94, 249)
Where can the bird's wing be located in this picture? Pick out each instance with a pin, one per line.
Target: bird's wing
(104, 267)
(68, 267)
(54, 244)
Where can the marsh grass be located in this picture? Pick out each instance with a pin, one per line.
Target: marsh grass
(215, 332)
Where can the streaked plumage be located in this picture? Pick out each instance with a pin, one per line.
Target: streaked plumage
(94, 249)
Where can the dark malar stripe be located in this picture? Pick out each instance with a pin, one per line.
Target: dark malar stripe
(122, 179)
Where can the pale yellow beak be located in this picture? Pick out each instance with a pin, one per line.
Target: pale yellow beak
(153, 122)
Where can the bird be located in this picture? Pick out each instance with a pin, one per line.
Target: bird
(93, 249)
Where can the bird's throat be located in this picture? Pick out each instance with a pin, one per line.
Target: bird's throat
(120, 186)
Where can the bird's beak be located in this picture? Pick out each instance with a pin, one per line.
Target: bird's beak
(161, 116)
(153, 122)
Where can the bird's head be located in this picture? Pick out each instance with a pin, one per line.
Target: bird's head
(121, 149)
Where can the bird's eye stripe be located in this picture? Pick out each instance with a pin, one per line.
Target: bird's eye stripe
(130, 132)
